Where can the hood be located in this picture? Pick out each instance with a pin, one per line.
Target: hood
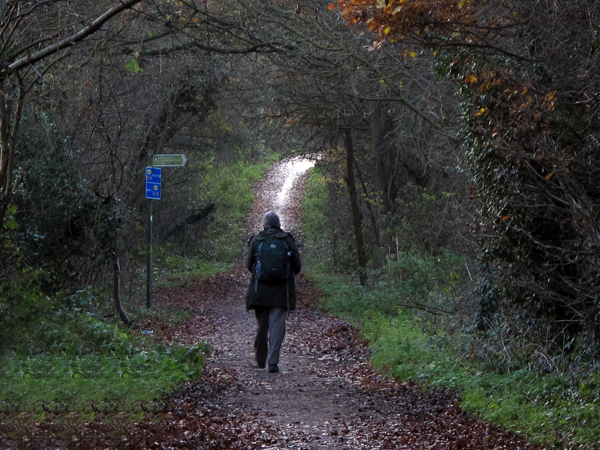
(273, 232)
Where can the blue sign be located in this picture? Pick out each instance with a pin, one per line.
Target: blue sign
(153, 178)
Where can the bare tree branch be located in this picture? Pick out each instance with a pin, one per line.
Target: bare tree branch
(71, 40)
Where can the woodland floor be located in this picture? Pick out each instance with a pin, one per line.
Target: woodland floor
(326, 396)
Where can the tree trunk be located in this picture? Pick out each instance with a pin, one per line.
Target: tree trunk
(380, 147)
(374, 222)
(351, 183)
(117, 292)
(8, 144)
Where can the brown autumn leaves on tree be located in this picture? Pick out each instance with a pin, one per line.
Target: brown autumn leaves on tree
(528, 74)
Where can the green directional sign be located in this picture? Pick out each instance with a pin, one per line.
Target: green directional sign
(174, 160)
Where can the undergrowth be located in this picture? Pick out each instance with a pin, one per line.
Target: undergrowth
(416, 314)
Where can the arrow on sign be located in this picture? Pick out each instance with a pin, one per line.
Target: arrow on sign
(174, 160)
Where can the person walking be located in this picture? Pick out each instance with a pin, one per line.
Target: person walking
(274, 261)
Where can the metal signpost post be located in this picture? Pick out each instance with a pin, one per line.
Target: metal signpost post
(153, 192)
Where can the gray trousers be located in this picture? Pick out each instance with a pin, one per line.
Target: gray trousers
(270, 333)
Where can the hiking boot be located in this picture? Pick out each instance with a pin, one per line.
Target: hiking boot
(273, 368)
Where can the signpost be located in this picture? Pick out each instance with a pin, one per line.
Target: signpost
(153, 192)
(153, 180)
(173, 160)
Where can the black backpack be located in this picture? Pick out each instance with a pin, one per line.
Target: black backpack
(272, 261)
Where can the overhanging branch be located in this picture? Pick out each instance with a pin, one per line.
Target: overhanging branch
(71, 40)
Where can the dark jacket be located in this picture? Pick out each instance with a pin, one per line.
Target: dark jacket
(281, 295)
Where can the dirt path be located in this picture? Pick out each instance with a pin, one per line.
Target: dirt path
(326, 395)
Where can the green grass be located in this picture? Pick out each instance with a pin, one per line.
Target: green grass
(230, 188)
(175, 269)
(549, 409)
(71, 360)
(221, 238)
(37, 385)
